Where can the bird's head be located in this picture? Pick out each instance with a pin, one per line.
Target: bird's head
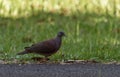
(60, 34)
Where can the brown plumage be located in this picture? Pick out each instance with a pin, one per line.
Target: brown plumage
(45, 48)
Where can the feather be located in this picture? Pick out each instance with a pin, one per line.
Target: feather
(45, 48)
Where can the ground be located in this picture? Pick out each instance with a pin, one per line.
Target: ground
(60, 70)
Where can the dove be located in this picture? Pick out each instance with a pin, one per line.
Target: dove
(45, 48)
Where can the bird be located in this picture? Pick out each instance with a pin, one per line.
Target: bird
(45, 48)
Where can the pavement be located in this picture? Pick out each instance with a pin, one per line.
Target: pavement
(60, 70)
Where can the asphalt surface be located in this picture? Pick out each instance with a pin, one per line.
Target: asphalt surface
(60, 70)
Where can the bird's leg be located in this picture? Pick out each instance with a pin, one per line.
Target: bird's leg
(46, 58)
(37, 58)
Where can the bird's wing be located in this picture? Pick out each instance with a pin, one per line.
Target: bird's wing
(42, 47)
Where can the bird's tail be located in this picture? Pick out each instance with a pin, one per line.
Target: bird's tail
(22, 53)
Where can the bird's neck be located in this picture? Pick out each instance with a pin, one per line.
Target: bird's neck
(58, 41)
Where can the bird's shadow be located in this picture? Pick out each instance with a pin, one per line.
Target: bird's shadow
(40, 59)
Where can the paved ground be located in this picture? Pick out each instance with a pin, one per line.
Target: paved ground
(58, 70)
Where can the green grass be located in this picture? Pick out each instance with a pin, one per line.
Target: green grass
(91, 35)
